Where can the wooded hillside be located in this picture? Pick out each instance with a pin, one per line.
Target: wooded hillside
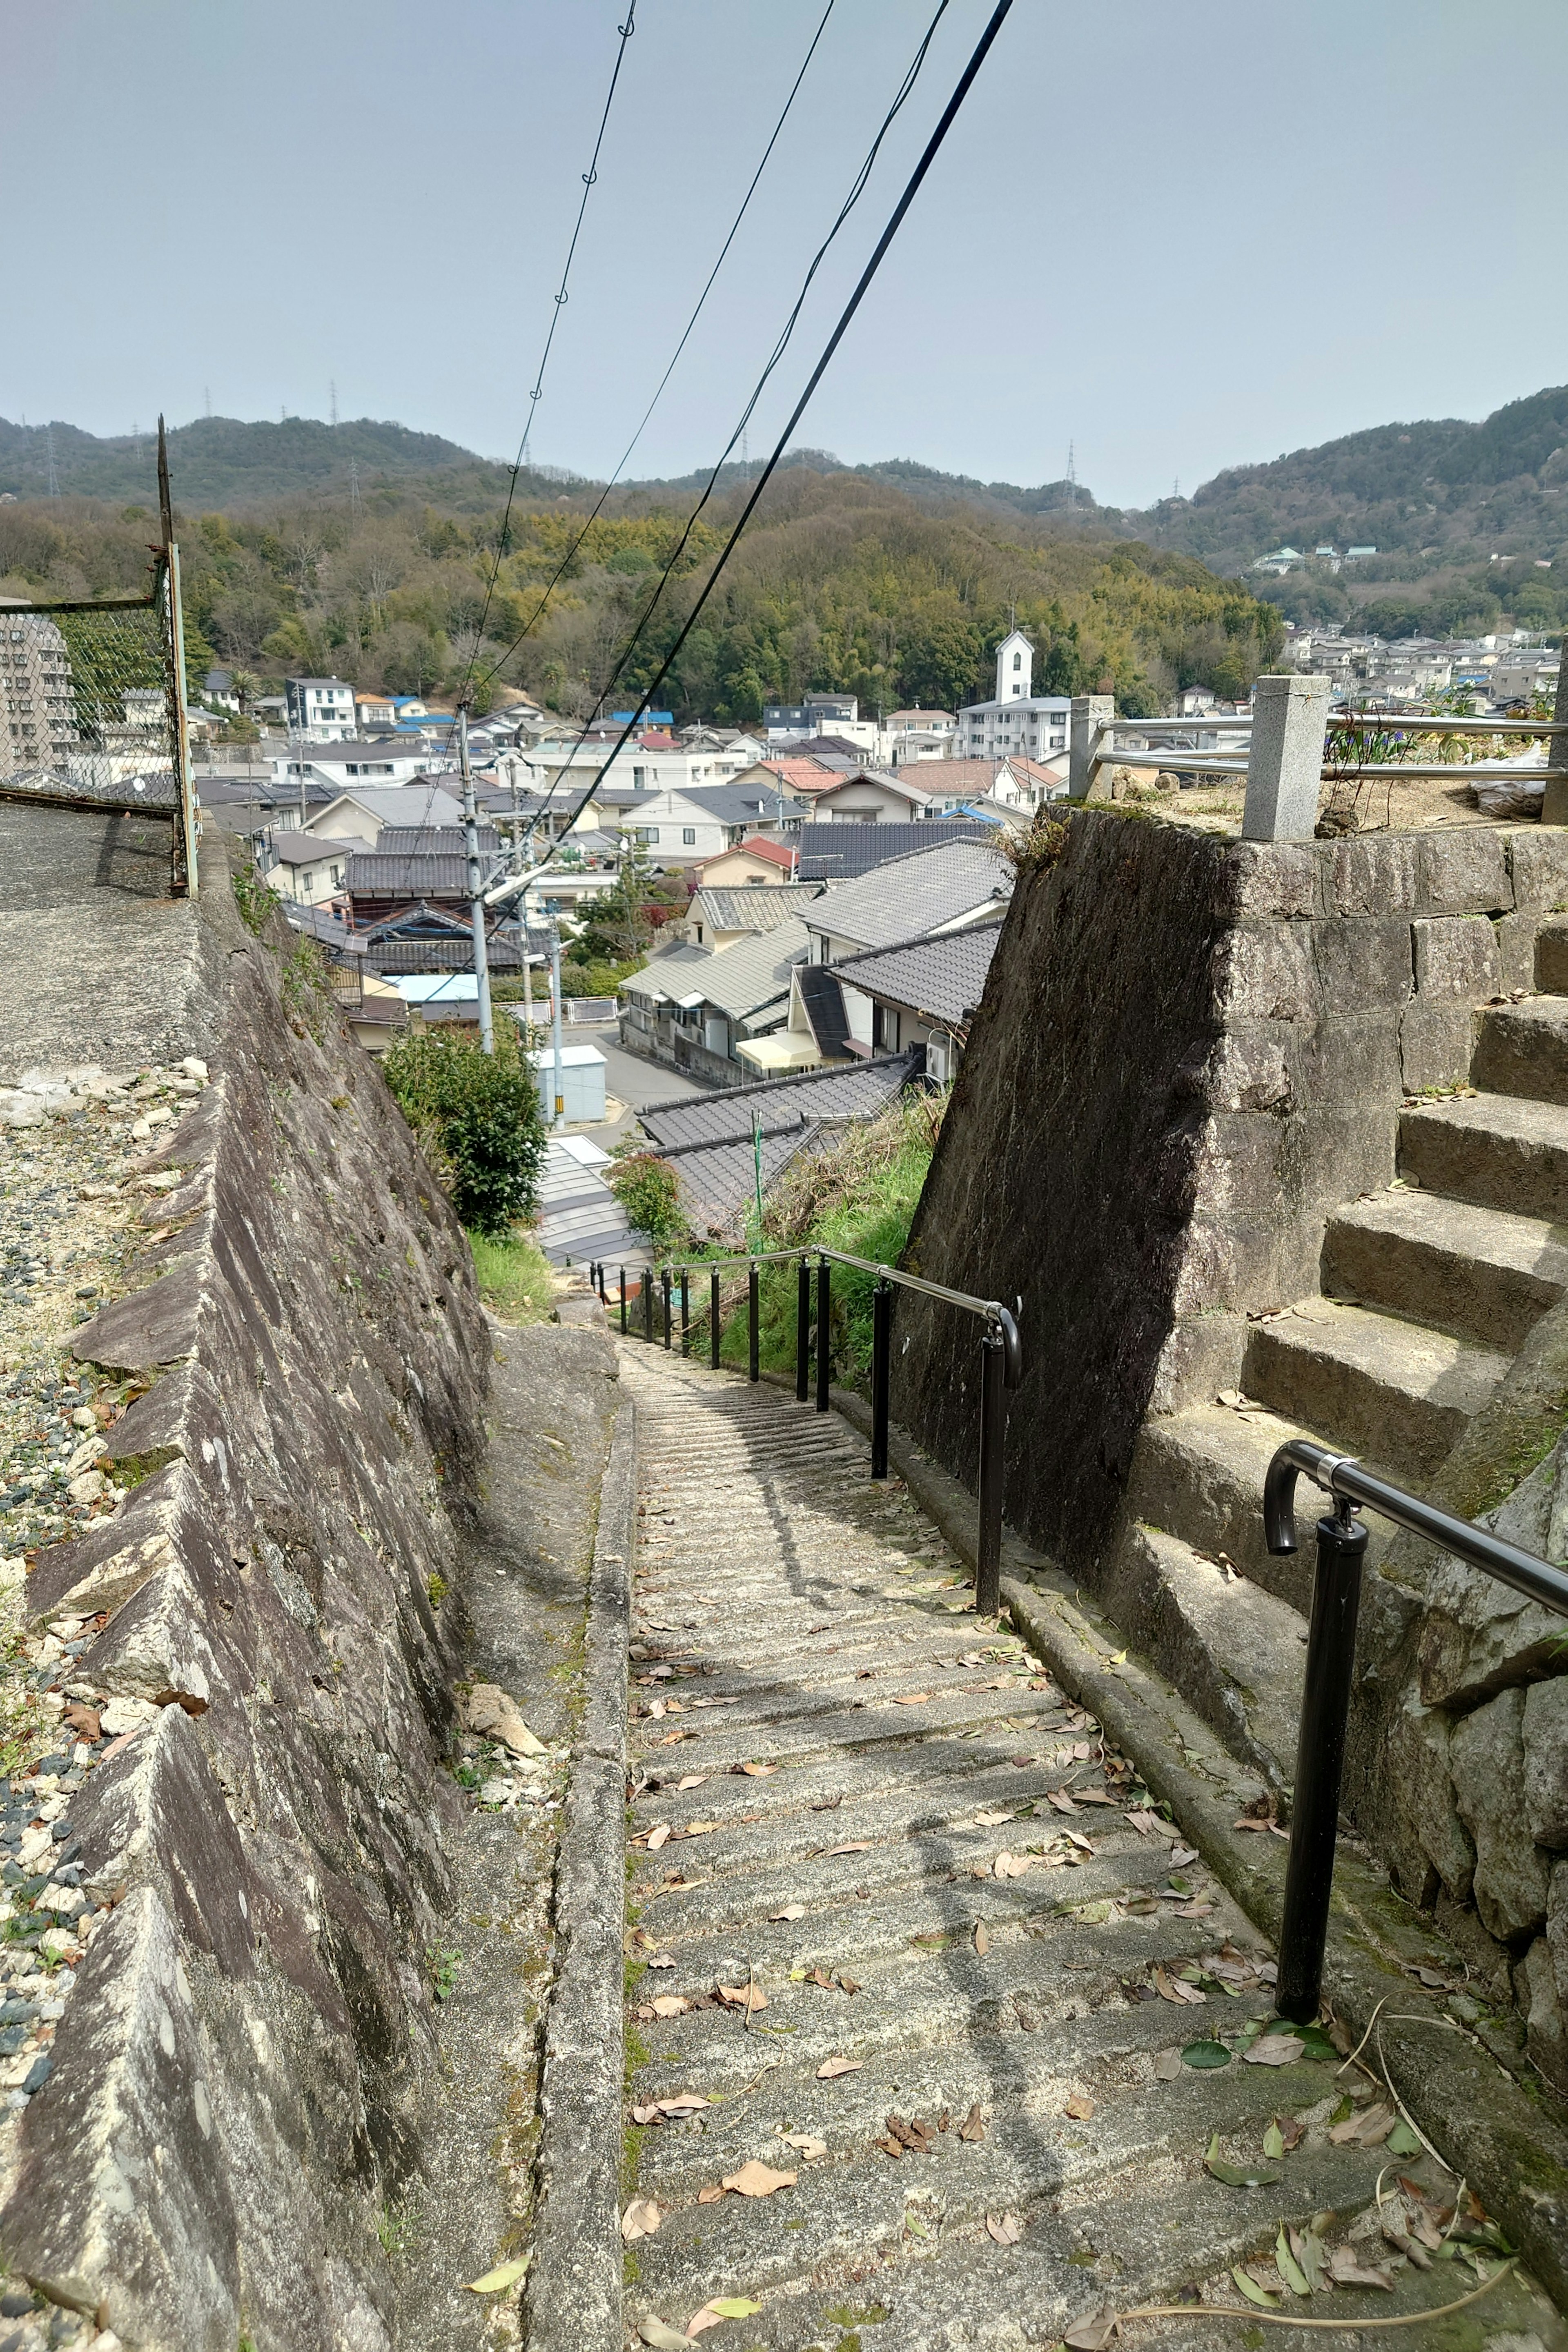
(842, 581)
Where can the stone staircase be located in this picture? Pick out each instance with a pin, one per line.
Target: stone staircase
(913, 1961)
(1428, 1289)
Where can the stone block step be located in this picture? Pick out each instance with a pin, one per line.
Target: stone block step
(1234, 1652)
(1485, 1275)
(1392, 1392)
(1199, 1474)
(1523, 1049)
(1498, 1150)
(1552, 957)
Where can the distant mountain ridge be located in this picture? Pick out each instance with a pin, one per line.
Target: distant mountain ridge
(1428, 494)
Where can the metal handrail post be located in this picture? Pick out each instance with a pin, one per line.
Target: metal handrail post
(881, 1345)
(665, 1281)
(824, 1351)
(753, 1366)
(1319, 1763)
(993, 1470)
(623, 1302)
(802, 1332)
(713, 1318)
(647, 1303)
(685, 1310)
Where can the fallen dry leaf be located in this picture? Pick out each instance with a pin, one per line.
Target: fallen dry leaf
(1003, 2228)
(756, 2179)
(722, 2307)
(1345, 2270)
(661, 1959)
(1080, 2108)
(912, 1698)
(1092, 2332)
(709, 2195)
(1168, 2064)
(1012, 1865)
(1094, 1797)
(1275, 2050)
(856, 1846)
(971, 2128)
(759, 1771)
(692, 1780)
(992, 1821)
(655, 1838)
(670, 2004)
(1367, 2129)
(640, 2220)
(981, 1940)
(1143, 1820)
(1060, 1799)
(747, 1996)
(1173, 1988)
(1181, 1855)
(808, 2148)
(833, 2066)
(790, 1911)
(496, 2281)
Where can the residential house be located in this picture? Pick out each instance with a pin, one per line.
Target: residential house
(38, 720)
(375, 714)
(360, 815)
(1524, 672)
(714, 1141)
(718, 917)
(1012, 783)
(918, 734)
(1017, 719)
(682, 829)
(838, 853)
(411, 866)
(319, 710)
(921, 992)
(304, 867)
(758, 858)
(931, 893)
(695, 1006)
(571, 757)
(792, 722)
(349, 761)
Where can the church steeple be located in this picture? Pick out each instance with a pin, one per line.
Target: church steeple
(1015, 666)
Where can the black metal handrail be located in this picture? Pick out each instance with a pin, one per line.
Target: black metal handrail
(1000, 1358)
(1331, 1664)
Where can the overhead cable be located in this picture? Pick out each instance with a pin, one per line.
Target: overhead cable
(932, 147)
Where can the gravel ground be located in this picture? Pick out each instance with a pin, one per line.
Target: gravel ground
(74, 1208)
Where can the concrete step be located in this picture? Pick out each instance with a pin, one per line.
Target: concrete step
(1552, 957)
(1523, 1049)
(1498, 1150)
(1199, 1474)
(1485, 1275)
(1395, 1392)
(1234, 1652)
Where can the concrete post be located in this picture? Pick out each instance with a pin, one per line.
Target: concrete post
(1089, 713)
(1554, 806)
(1285, 766)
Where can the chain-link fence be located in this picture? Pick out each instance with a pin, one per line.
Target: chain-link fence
(91, 708)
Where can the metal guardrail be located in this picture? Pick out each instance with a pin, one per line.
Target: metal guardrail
(1001, 1357)
(1330, 1662)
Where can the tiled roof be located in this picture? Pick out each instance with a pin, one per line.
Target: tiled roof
(718, 1179)
(757, 844)
(743, 979)
(432, 840)
(806, 1100)
(757, 906)
(941, 979)
(373, 875)
(912, 896)
(837, 852)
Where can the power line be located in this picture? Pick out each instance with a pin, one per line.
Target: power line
(562, 296)
(856, 189)
(559, 574)
(932, 147)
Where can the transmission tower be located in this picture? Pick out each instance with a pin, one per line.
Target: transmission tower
(1072, 477)
(332, 392)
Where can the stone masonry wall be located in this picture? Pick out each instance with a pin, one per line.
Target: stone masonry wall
(231, 2095)
(1190, 1053)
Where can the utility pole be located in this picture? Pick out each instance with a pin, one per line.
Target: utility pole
(559, 1119)
(476, 884)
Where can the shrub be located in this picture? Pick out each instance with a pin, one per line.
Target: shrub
(515, 1278)
(647, 1189)
(477, 1115)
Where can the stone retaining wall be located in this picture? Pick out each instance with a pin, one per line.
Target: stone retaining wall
(232, 2092)
(1190, 1053)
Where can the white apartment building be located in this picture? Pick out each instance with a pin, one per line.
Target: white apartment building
(1033, 724)
(322, 709)
(37, 709)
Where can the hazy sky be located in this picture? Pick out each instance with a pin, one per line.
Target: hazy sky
(1179, 237)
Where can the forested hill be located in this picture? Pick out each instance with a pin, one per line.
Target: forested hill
(226, 462)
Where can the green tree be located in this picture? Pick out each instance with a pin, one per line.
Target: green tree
(479, 1119)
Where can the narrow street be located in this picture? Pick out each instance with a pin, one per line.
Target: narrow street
(939, 2032)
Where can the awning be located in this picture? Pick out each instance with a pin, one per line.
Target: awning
(785, 1050)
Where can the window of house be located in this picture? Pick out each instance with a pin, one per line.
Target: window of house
(688, 835)
(647, 833)
(1017, 661)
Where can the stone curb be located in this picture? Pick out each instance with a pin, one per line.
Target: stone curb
(1513, 2149)
(574, 2282)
